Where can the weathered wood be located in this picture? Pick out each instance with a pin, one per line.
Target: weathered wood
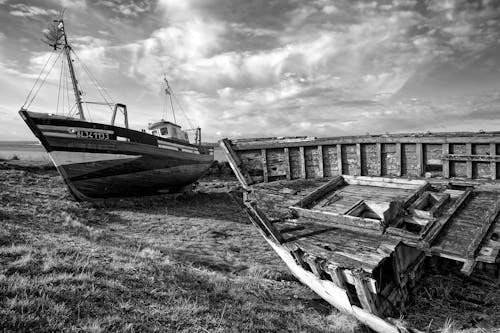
(260, 220)
(264, 165)
(430, 234)
(493, 164)
(302, 163)
(364, 295)
(326, 218)
(320, 162)
(287, 163)
(438, 138)
(339, 159)
(446, 162)
(359, 168)
(379, 159)
(420, 159)
(468, 165)
(481, 233)
(320, 192)
(235, 164)
(398, 159)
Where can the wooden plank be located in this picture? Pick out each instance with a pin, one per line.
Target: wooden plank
(330, 219)
(320, 192)
(398, 159)
(302, 162)
(468, 150)
(263, 153)
(472, 158)
(364, 295)
(359, 169)
(235, 164)
(439, 138)
(479, 236)
(420, 159)
(339, 159)
(336, 274)
(320, 162)
(446, 162)
(493, 164)
(379, 159)
(287, 163)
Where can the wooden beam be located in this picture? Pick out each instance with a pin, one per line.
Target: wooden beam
(493, 164)
(412, 138)
(320, 192)
(261, 221)
(359, 168)
(263, 157)
(320, 162)
(420, 159)
(379, 159)
(339, 158)
(446, 162)
(336, 274)
(287, 163)
(302, 162)
(398, 159)
(468, 151)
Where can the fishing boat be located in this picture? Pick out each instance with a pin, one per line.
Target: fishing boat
(100, 160)
(359, 219)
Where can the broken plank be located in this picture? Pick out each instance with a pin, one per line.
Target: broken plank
(320, 192)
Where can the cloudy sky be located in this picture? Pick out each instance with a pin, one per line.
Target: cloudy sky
(243, 68)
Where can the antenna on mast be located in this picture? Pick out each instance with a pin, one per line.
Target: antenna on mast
(57, 38)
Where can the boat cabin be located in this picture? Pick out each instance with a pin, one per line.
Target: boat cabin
(166, 129)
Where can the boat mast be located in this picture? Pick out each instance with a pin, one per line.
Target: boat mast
(168, 91)
(67, 50)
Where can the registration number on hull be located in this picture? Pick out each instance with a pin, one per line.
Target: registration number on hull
(92, 135)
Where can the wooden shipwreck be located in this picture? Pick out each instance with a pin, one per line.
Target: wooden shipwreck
(355, 218)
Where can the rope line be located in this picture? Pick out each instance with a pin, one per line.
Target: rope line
(38, 78)
(59, 88)
(43, 81)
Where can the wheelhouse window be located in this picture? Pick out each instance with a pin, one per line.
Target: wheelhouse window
(164, 131)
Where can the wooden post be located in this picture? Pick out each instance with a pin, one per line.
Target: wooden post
(398, 159)
(339, 158)
(420, 159)
(320, 162)
(287, 163)
(379, 159)
(493, 163)
(446, 161)
(336, 274)
(468, 151)
(302, 161)
(264, 164)
(358, 158)
(364, 295)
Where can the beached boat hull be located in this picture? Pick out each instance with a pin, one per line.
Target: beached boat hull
(357, 218)
(101, 161)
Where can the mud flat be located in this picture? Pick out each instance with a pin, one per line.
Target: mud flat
(190, 264)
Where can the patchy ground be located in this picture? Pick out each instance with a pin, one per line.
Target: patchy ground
(190, 264)
(193, 264)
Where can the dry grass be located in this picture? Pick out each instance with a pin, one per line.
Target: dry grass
(192, 264)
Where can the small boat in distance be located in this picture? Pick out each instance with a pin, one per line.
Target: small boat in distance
(98, 160)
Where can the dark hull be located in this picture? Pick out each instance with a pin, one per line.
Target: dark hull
(102, 161)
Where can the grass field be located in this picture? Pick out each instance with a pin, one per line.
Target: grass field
(190, 264)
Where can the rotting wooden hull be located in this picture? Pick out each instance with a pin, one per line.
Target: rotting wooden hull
(101, 161)
(353, 221)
